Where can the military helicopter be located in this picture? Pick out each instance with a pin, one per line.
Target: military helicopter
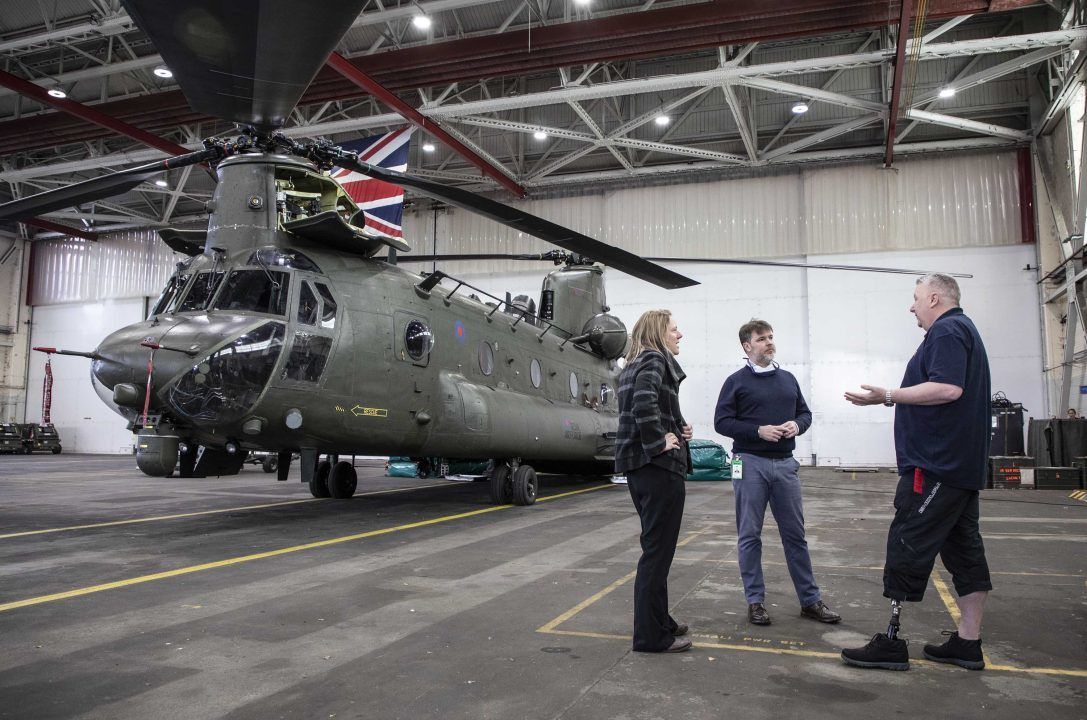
(284, 331)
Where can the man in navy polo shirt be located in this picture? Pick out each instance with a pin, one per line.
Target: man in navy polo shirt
(942, 442)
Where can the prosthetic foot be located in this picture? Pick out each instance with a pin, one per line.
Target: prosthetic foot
(883, 651)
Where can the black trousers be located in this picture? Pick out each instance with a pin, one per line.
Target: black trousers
(658, 496)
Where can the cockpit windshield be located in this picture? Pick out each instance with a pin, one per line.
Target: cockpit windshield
(263, 291)
(173, 287)
(201, 291)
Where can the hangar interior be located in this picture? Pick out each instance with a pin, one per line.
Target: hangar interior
(925, 135)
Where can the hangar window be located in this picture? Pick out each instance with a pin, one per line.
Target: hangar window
(574, 386)
(328, 308)
(418, 339)
(307, 359)
(535, 372)
(201, 291)
(307, 305)
(486, 358)
(263, 291)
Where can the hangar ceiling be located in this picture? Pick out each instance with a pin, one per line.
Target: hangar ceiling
(547, 94)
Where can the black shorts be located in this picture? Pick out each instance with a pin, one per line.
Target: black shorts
(937, 520)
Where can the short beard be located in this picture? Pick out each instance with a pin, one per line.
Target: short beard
(763, 360)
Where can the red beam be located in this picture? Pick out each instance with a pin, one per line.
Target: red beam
(896, 86)
(57, 227)
(1026, 195)
(343, 66)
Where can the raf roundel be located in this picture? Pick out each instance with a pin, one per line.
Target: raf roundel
(459, 332)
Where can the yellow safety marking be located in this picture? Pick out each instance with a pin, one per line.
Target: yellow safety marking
(260, 556)
(831, 568)
(1079, 495)
(208, 512)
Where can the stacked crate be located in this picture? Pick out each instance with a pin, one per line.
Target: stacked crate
(1011, 472)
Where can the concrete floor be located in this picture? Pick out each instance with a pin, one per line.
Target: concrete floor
(123, 596)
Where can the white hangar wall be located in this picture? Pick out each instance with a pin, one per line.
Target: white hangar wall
(956, 213)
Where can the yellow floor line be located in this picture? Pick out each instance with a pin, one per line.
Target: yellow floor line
(952, 606)
(260, 556)
(208, 512)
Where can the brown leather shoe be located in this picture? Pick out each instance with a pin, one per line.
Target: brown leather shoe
(681, 629)
(819, 611)
(678, 645)
(757, 614)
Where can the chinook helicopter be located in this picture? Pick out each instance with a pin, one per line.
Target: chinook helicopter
(285, 331)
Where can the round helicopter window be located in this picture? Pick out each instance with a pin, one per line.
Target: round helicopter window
(418, 340)
(486, 358)
(573, 385)
(535, 372)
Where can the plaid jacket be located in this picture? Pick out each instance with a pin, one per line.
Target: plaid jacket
(649, 408)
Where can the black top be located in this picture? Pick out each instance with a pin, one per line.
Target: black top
(949, 442)
(749, 399)
(649, 408)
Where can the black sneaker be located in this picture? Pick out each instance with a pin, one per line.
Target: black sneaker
(964, 653)
(880, 652)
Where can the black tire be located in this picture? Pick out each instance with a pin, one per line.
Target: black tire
(422, 468)
(343, 480)
(56, 450)
(318, 485)
(27, 450)
(500, 483)
(525, 485)
(270, 464)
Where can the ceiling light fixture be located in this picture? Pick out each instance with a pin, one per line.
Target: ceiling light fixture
(163, 72)
(428, 147)
(800, 108)
(161, 183)
(421, 21)
(540, 135)
(947, 92)
(56, 93)
(662, 120)
(582, 2)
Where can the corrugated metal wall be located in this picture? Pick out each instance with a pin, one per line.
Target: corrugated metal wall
(945, 202)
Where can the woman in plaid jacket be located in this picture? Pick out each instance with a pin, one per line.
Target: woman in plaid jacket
(651, 449)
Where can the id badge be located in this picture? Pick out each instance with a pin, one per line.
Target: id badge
(737, 468)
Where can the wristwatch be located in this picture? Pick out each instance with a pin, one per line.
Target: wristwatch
(887, 399)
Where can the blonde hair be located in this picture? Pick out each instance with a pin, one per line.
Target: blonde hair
(649, 333)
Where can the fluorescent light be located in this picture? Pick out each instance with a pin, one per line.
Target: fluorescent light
(800, 108)
(582, 2)
(163, 72)
(161, 183)
(422, 22)
(428, 147)
(662, 120)
(57, 93)
(947, 92)
(540, 135)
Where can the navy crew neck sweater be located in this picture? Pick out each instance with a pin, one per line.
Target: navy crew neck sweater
(749, 400)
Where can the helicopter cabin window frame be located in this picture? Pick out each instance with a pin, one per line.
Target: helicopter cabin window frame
(535, 373)
(418, 341)
(201, 291)
(237, 292)
(311, 344)
(486, 358)
(575, 386)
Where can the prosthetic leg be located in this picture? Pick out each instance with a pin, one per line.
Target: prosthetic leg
(893, 626)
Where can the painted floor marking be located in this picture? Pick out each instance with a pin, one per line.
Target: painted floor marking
(77, 592)
(552, 628)
(1079, 495)
(208, 512)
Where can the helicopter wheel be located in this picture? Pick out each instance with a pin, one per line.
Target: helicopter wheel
(56, 450)
(318, 486)
(525, 485)
(343, 480)
(501, 485)
(269, 464)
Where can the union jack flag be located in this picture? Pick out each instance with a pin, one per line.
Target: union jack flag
(382, 203)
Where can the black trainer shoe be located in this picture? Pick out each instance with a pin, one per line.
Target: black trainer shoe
(880, 652)
(964, 653)
(757, 614)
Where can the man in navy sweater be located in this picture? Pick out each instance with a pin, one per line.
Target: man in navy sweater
(762, 409)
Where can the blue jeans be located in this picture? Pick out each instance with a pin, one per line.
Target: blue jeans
(772, 480)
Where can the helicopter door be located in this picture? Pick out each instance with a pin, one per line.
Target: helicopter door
(314, 316)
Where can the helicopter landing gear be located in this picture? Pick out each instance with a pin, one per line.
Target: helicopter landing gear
(525, 485)
(500, 481)
(270, 464)
(343, 480)
(318, 484)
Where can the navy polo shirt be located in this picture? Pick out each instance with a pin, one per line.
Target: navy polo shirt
(949, 442)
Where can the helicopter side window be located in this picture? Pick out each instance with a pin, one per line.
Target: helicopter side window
(574, 386)
(486, 358)
(201, 291)
(307, 305)
(418, 339)
(173, 285)
(605, 394)
(263, 291)
(181, 283)
(280, 257)
(328, 307)
(308, 356)
(535, 373)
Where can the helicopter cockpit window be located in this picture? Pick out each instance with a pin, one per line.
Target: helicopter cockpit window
(486, 358)
(328, 308)
(307, 359)
(273, 257)
(418, 340)
(173, 286)
(307, 305)
(263, 291)
(201, 291)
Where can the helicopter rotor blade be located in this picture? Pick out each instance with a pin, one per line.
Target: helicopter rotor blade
(806, 266)
(246, 61)
(101, 187)
(553, 233)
